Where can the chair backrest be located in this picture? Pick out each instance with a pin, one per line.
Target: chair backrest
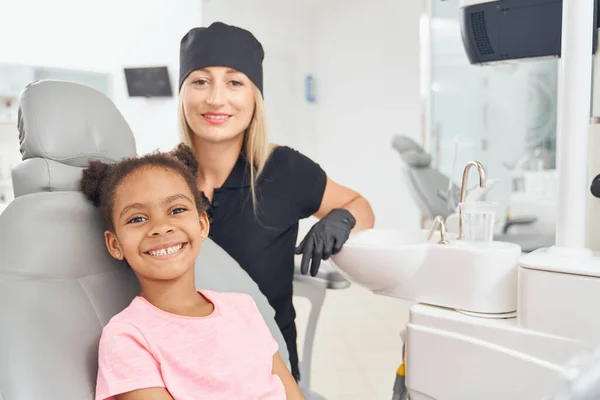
(58, 285)
(428, 186)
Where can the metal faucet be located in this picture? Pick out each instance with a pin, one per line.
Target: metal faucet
(438, 221)
(463, 191)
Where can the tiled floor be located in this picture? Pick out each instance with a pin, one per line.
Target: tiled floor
(357, 346)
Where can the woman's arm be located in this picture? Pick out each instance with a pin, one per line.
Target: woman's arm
(146, 394)
(338, 196)
(292, 390)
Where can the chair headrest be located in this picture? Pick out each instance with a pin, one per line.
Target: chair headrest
(410, 152)
(62, 127)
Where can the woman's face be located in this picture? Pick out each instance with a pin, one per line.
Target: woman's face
(157, 226)
(218, 103)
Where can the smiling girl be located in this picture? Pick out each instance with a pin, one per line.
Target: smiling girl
(173, 341)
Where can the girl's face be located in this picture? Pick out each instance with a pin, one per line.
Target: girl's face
(218, 103)
(158, 229)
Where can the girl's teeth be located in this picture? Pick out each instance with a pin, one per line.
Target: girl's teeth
(166, 252)
(217, 116)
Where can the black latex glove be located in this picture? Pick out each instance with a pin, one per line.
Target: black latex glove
(325, 238)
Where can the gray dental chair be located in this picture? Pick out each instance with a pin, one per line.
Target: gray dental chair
(58, 284)
(429, 189)
(428, 186)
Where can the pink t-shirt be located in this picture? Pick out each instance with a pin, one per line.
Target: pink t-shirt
(226, 355)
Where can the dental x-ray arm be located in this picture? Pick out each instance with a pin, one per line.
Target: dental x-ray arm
(495, 31)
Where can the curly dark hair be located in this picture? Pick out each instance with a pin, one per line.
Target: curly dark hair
(100, 181)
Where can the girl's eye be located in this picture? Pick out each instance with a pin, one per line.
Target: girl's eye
(178, 210)
(199, 82)
(135, 220)
(236, 83)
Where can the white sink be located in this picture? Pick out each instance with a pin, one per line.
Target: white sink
(480, 278)
(369, 258)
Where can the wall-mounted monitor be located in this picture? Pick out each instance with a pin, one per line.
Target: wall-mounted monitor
(148, 82)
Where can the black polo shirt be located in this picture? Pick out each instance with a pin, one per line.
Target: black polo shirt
(290, 188)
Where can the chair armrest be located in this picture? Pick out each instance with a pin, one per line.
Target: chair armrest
(528, 241)
(327, 276)
(524, 220)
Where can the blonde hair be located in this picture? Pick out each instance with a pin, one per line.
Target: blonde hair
(257, 147)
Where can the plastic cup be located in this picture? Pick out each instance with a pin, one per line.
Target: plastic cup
(478, 220)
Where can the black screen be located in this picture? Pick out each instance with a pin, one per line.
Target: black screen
(148, 82)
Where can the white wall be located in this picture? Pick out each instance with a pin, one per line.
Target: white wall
(367, 66)
(106, 37)
(364, 57)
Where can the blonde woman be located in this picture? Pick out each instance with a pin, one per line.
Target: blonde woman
(257, 192)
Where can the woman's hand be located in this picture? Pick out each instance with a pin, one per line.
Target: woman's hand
(325, 238)
(342, 211)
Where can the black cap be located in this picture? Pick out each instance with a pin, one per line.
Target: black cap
(221, 45)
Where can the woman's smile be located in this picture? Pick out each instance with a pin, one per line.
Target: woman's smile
(216, 118)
